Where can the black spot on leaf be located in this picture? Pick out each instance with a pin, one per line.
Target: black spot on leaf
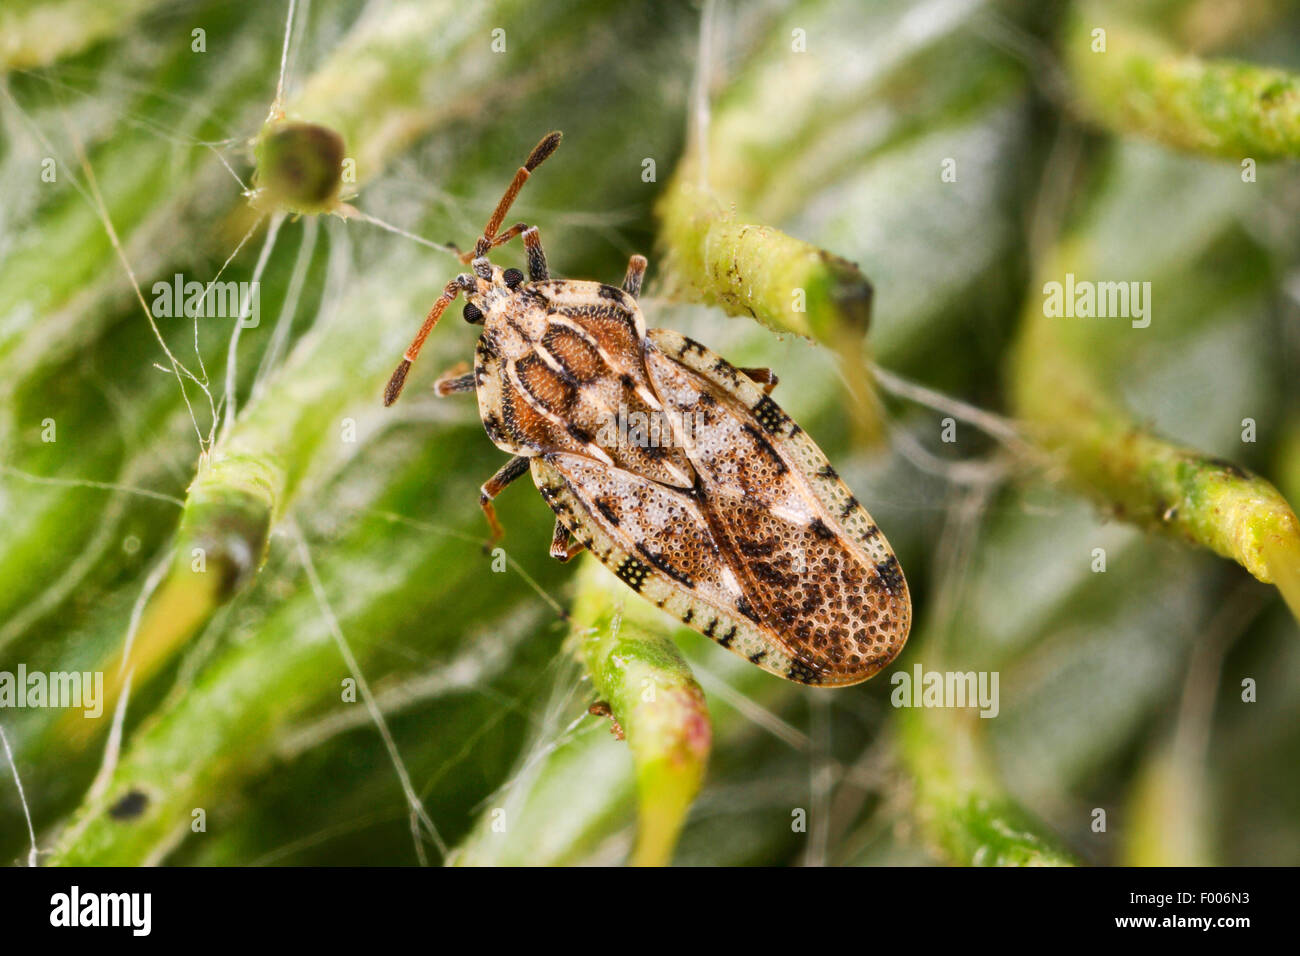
(129, 806)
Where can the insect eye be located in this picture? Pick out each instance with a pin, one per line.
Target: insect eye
(513, 277)
(473, 314)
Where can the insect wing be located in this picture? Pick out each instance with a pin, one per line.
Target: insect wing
(659, 543)
(812, 565)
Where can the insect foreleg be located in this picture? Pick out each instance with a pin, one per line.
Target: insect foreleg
(454, 380)
(561, 550)
(762, 376)
(635, 273)
(502, 238)
(494, 486)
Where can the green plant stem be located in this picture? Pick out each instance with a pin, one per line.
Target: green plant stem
(1144, 479)
(1140, 85)
(221, 544)
(1168, 822)
(746, 173)
(637, 670)
(785, 283)
(961, 807)
(576, 791)
(223, 724)
(252, 474)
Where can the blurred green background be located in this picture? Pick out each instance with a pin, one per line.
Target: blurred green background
(239, 557)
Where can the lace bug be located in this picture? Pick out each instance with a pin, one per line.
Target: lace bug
(726, 514)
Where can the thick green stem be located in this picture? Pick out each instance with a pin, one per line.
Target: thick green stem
(1139, 84)
(787, 284)
(1144, 479)
(962, 808)
(646, 683)
(226, 720)
(220, 545)
(746, 173)
(1167, 810)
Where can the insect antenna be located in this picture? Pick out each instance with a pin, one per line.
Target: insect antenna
(398, 378)
(543, 149)
(549, 143)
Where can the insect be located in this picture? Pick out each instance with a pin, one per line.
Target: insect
(736, 525)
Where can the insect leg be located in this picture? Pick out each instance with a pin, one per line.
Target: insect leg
(635, 273)
(494, 486)
(601, 708)
(454, 380)
(502, 238)
(561, 550)
(763, 376)
(448, 296)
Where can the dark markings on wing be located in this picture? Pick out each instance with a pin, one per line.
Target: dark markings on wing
(770, 573)
(659, 526)
(582, 300)
(632, 573)
(551, 390)
(607, 511)
(820, 529)
(665, 521)
(890, 575)
(768, 450)
(660, 562)
(838, 610)
(756, 549)
(801, 672)
(769, 415)
(723, 367)
(581, 362)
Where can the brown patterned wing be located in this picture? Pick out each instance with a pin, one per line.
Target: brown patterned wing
(813, 567)
(657, 540)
